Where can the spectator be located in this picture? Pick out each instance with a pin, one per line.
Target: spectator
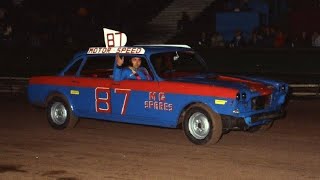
(227, 6)
(5, 29)
(268, 37)
(238, 40)
(17, 3)
(302, 41)
(184, 23)
(3, 13)
(245, 5)
(217, 40)
(204, 41)
(315, 39)
(255, 40)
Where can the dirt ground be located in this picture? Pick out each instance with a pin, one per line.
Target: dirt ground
(30, 149)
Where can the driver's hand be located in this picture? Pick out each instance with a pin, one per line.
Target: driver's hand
(119, 60)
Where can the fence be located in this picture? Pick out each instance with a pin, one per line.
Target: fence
(305, 89)
(13, 85)
(18, 85)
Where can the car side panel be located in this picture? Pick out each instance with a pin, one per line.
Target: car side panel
(38, 93)
(149, 102)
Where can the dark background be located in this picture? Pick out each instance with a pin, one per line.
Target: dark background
(46, 34)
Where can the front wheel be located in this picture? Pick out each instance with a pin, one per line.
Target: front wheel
(261, 128)
(60, 115)
(201, 125)
(266, 127)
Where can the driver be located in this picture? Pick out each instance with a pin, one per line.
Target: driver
(133, 72)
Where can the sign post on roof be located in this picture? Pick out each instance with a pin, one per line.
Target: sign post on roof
(114, 38)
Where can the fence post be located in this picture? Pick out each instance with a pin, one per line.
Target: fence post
(11, 85)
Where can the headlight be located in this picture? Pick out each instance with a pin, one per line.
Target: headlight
(238, 96)
(243, 96)
(283, 87)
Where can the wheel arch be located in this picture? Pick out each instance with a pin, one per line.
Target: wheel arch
(58, 94)
(72, 118)
(185, 109)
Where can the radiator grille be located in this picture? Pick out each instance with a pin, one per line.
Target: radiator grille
(260, 102)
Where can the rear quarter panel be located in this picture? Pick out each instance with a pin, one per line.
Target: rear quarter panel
(40, 88)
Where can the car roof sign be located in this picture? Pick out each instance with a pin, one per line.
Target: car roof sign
(112, 50)
(114, 38)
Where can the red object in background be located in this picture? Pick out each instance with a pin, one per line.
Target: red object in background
(279, 40)
(82, 11)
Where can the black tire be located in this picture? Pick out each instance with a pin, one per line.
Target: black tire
(210, 130)
(253, 129)
(266, 127)
(261, 128)
(60, 115)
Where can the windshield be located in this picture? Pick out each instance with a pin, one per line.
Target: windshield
(178, 64)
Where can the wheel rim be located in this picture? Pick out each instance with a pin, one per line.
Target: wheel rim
(58, 113)
(199, 125)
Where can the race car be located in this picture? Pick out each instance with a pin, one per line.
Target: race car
(181, 93)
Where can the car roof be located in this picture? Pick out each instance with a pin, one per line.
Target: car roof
(152, 49)
(148, 49)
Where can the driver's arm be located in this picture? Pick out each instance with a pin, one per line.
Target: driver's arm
(118, 74)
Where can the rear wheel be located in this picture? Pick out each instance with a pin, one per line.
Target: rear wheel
(60, 115)
(201, 125)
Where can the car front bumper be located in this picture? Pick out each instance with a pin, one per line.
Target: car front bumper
(244, 123)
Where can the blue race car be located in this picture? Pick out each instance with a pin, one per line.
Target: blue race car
(179, 93)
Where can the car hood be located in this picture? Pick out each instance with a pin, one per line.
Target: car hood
(241, 83)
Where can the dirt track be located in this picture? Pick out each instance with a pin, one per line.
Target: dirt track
(30, 149)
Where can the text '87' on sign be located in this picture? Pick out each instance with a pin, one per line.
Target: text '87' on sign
(114, 38)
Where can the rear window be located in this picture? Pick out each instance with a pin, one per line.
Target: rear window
(72, 71)
(98, 66)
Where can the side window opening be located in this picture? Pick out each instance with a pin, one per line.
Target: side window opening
(73, 69)
(144, 64)
(98, 67)
(164, 64)
(178, 64)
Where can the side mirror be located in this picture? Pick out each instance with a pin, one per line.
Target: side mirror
(176, 57)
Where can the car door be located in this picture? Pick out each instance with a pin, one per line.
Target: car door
(130, 98)
(92, 87)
